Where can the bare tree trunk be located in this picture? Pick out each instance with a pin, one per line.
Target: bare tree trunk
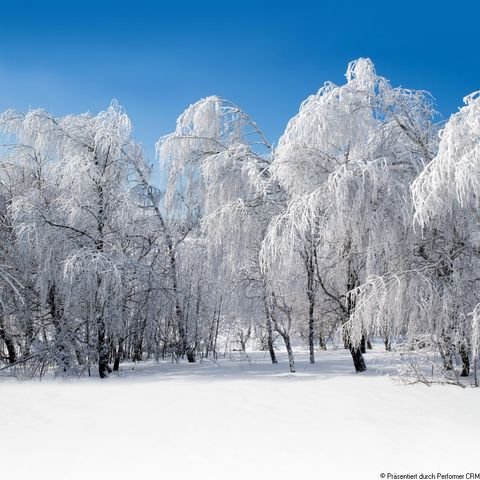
(244, 337)
(288, 346)
(311, 332)
(62, 353)
(269, 328)
(118, 355)
(217, 328)
(363, 344)
(358, 360)
(308, 258)
(465, 361)
(29, 334)
(271, 348)
(268, 323)
(356, 352)
(87, 342)
(283, 328)
(191, 355)
(445, 348)
(211, 334)
(138, 339)
(102, 347)
(321, 340)
(7, 340)
(102, 340)
(475, 371)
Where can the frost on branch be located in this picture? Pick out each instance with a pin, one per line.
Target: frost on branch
(349, 155)
(210, 136)
(247, 241)
(71, 213)
(217, 164)
(346, 162)
(454, 175)
(446, 196)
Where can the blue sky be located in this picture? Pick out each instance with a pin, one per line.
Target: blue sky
(158, 57)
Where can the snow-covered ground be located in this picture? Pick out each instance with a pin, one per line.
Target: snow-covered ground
(237, 420)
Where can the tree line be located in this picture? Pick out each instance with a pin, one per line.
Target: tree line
(361, 222)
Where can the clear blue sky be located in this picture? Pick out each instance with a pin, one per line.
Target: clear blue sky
(158, 57)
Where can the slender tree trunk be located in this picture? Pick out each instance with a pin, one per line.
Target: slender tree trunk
(7, 340)
(321, 341)
(217, 328)
(283, 329)
(211, 334)
(269, 327)
(62, 353)
(29, 334)
(139, 340)
(79, 355)
(363, 344)
(465, 361)
(271, 348)
(244, 338)
(288, 346)
(475, 371)
(311, 331)
(356, 352)
(268, 324)
(102, 347)
(446, 352)
(87, 342)
(102, 340)
(308, 257)
(138, 349)
(118, 355)
(358, 360)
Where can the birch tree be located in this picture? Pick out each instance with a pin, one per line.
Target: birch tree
(346, 161)
(218, 162)
(445, 196)
(78, 220)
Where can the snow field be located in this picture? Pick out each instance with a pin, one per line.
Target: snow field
(235, 421)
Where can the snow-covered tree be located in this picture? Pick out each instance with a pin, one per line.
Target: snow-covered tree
(346, 161)
(445, 196)
(453, 177)
(218, 162)
(363, 221)
(75, 220)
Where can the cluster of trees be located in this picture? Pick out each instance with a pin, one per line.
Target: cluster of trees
(363, 220)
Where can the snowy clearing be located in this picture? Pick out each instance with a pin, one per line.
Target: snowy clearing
(237, 419)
